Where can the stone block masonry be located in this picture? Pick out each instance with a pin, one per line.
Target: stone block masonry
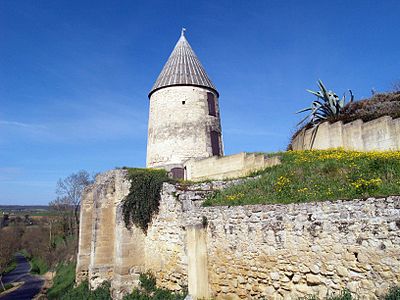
(379, 134)
(242, 252)
(180, 126)
(225, 167)
(289, 251)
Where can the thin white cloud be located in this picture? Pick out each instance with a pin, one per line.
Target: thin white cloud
(21, 124)
(86, 124)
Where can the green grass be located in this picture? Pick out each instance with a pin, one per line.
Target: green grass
(393, 294)
(318, 175)
(82, 292)
(25, 253)
(38, 266)
(63, 287)
(63, 281)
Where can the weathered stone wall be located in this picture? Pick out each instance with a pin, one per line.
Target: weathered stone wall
(180, 125)
(231, 166)
(165, 243)
(289, 251)
(129, 257)
(379, 134)
(245, 252)
(102, 238)
(85, 234)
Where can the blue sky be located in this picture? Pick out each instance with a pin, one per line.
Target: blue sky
(74, 75)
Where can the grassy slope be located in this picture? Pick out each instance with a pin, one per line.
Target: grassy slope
(63, 281)
(38, 265)
(318, 175)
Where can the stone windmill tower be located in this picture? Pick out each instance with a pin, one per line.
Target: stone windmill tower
(184, 118)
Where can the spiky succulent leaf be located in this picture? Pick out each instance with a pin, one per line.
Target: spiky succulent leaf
(318, 94)
(327, 106)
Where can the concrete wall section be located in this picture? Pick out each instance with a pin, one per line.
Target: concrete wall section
(237, 165)
(180, 125)
(378, 134)
(198, 263)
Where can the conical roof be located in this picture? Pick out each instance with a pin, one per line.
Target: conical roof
(183, 68)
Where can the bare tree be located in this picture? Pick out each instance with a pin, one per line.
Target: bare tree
(9, 239)
(396, 86)
(69, 191)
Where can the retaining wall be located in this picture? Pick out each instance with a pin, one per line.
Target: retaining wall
(379, 134)
(225, 167)
(243, 252)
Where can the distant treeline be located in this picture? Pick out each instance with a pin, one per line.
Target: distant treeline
(23, 208)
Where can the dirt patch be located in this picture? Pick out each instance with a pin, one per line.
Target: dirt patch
(48, 282)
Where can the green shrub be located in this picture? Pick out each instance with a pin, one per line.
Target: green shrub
(143, 199)
(147, 282)
(25, 253)
(38, 266)
(63, 281)
(83, 292)
(101, 293)
(80, 292)
(393, 294)
(318, 175)
(10, 267)
(344, 295)
(149, 291)
(7, 286)
(58, 241)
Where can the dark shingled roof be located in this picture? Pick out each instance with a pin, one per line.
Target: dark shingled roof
(183, 68)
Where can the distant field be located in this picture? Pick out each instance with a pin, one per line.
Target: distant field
(32, 210)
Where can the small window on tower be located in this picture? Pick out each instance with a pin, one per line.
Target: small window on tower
(211, 104)
(215, 142)
(183, 102)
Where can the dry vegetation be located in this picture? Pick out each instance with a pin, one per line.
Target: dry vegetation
(379, 105)
(369, 109)
(44, 244)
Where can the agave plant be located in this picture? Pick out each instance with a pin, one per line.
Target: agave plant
(327, 106)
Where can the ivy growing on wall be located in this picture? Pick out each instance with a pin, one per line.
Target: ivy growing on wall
(143, 199)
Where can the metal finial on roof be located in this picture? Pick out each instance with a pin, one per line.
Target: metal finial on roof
(183, 68)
